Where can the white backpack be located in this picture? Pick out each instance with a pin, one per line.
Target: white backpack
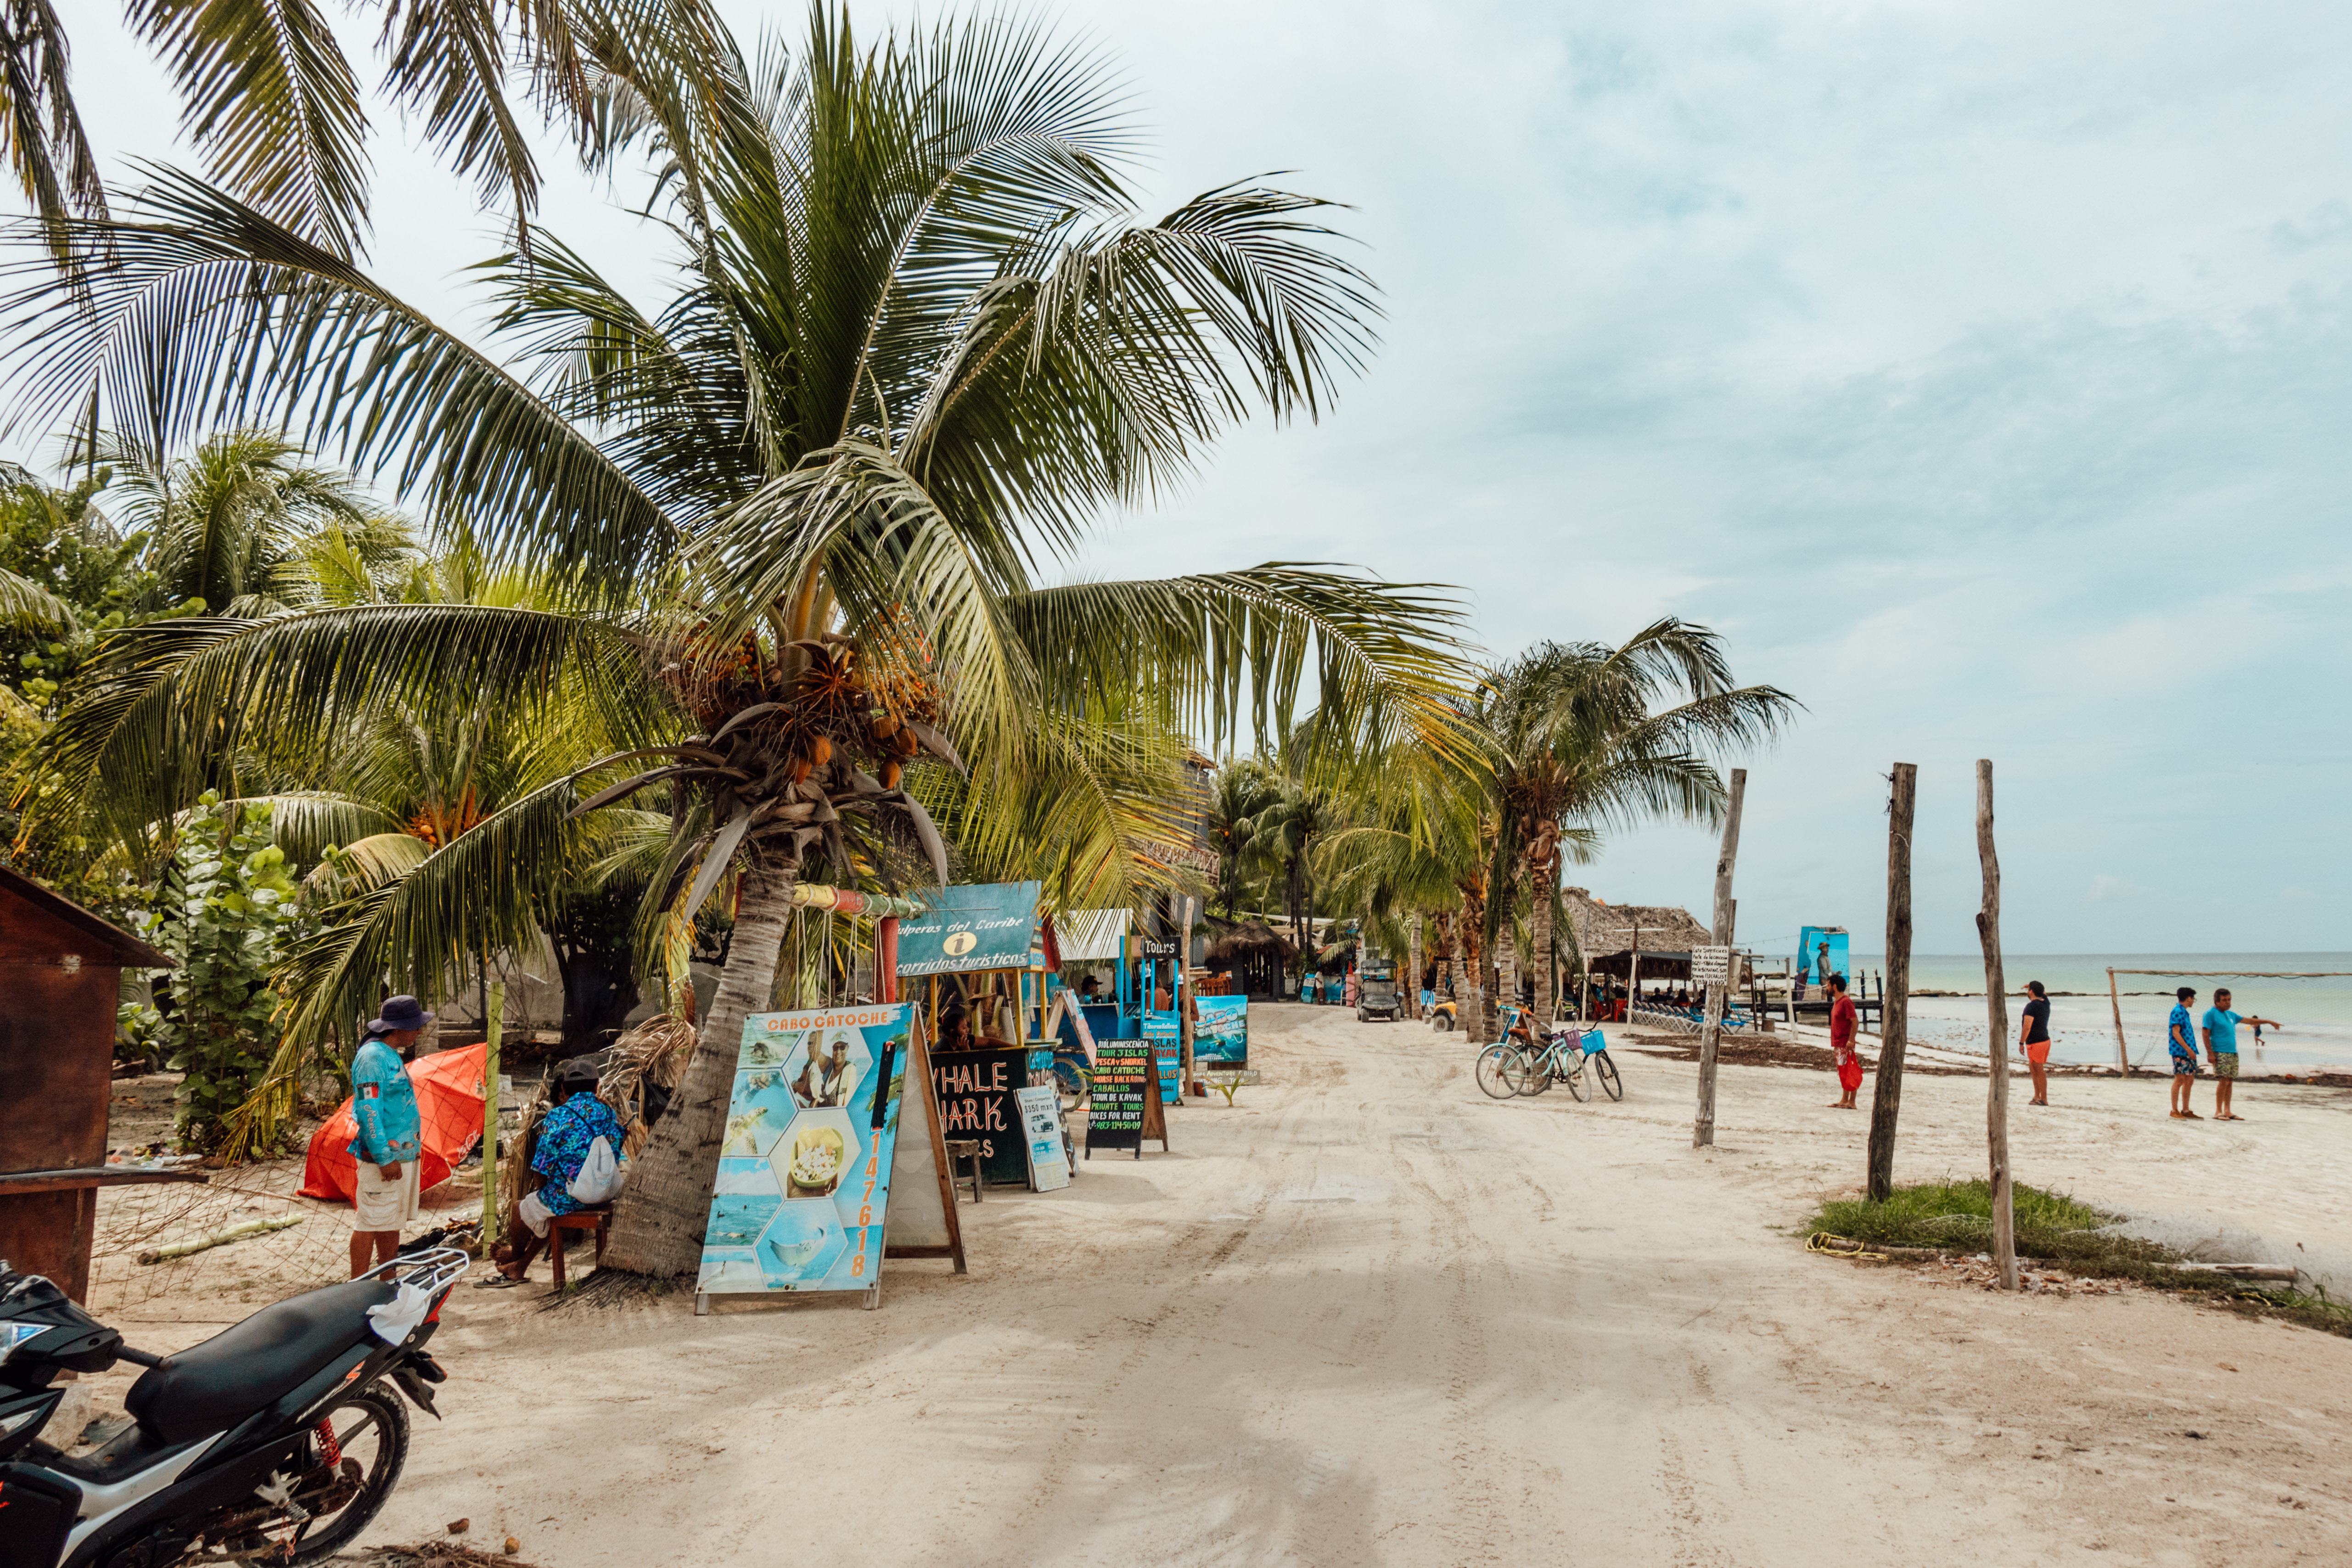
(600, 1177)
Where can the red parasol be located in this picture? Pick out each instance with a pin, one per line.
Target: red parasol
(448, 1087)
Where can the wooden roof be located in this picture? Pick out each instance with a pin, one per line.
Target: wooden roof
(110, 943)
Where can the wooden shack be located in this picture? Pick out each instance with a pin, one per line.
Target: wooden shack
(60, 978)
(1256, 953)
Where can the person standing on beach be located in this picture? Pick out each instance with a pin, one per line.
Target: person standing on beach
(2033, 1035)
(2180, 1039)
(2222, 1043)
(1844, 1021)
(383, 1107)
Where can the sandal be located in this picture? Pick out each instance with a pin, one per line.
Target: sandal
(496, 1282)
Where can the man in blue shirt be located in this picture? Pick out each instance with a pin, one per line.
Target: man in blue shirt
(383, 1104)
(2180, 1040)
(2221, 1045)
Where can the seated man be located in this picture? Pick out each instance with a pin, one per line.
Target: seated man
(558, 1146)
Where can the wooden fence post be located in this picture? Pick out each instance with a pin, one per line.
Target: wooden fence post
(1895, 1010)
(494, 1023)
(1711, 1036)
(2004, 1209)
(2123, 1057)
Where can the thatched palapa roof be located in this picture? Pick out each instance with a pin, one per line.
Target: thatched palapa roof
(1247, 939)
(1605, 929)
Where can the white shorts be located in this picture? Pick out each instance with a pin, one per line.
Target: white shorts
(380, 1204)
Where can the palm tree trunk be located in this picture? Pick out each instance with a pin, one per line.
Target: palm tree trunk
(1410, 999)
(1507, 973)
(1540, 932)
(658, 1224)
(1471, 1011)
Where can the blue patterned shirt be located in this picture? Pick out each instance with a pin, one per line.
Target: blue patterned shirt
(383, 1104)
(564, 1134)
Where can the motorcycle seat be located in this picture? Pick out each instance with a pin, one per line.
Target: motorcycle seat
(210, 1387)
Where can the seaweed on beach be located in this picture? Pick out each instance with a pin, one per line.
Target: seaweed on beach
(2056, 1229)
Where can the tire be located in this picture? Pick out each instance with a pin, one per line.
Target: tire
(1442, 1022)
(1606, 1070)
(1576, 1084)
(1495, 1066)
(375, 1412)
(1362, 1016)
(1071, 1086)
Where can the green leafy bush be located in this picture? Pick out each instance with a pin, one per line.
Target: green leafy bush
(221, 913)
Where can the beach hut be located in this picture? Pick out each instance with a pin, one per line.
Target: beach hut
(1256, 956)
(64, 976)
(1633, 942)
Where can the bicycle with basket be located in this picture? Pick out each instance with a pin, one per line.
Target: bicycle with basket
(1510, 1068)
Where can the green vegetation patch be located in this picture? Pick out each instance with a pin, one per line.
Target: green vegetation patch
(2059, 1229)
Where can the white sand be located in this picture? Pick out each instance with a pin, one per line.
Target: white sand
(1369, 1316)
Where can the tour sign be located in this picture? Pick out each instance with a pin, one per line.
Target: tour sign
(1710, 965)
(1120, 1084)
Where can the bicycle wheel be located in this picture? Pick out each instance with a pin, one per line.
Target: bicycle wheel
(1495, 1066)
(1606, 1070)
(1574, 1079)
(1535, 1067)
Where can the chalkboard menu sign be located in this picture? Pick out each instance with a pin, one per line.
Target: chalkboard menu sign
(978, 1099)
(1125, 1078)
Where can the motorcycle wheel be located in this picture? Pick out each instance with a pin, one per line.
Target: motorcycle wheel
(371, 1427)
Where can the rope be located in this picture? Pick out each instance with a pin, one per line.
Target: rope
(1831, 1245)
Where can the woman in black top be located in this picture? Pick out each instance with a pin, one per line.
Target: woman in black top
(2033, 1034)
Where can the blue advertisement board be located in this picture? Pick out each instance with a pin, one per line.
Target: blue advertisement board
(972, 927)
(1821, 952)
(1221, 1033)
(804, 1172)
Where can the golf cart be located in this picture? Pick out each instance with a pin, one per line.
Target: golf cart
(1377, 997)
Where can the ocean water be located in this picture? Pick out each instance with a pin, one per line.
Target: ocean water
(2315, 1015)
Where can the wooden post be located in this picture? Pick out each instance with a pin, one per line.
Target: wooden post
(493, 1024)
(1180, 993)
(2115, 1001)
(2004, 1209)
(1895, 1014)
(1711, 1033)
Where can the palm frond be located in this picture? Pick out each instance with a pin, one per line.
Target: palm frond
(271, 103)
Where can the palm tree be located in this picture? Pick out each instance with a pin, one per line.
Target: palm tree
(1578, 744)
(917, 343)
(1243, 793)
(248, 525)
(270, 101)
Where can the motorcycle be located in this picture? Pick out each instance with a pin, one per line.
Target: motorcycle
(274, 1441)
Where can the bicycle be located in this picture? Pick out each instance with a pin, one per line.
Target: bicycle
(1505, 1070)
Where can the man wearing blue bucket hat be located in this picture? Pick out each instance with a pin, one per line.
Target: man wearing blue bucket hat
(383, 1104)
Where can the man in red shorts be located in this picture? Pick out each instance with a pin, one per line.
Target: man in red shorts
(1842, 1024)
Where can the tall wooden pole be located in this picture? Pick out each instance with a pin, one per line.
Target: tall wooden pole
(494, 1010)
(2004, 1210)
(1894, 1011)
(2123, 1057)
(1717, 995)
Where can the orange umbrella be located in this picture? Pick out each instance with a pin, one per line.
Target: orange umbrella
(449, 1094)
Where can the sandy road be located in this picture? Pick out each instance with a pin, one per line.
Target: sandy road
(1369, 1316)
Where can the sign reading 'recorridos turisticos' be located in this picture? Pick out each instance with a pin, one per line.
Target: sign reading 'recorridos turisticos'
(971, 928)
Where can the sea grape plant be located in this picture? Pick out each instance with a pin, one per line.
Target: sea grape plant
(222, 914)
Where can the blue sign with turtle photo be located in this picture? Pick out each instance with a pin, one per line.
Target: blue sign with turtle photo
(804, 1172)
(1221, 1033)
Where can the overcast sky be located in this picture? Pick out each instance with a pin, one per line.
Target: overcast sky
(1979, 372)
